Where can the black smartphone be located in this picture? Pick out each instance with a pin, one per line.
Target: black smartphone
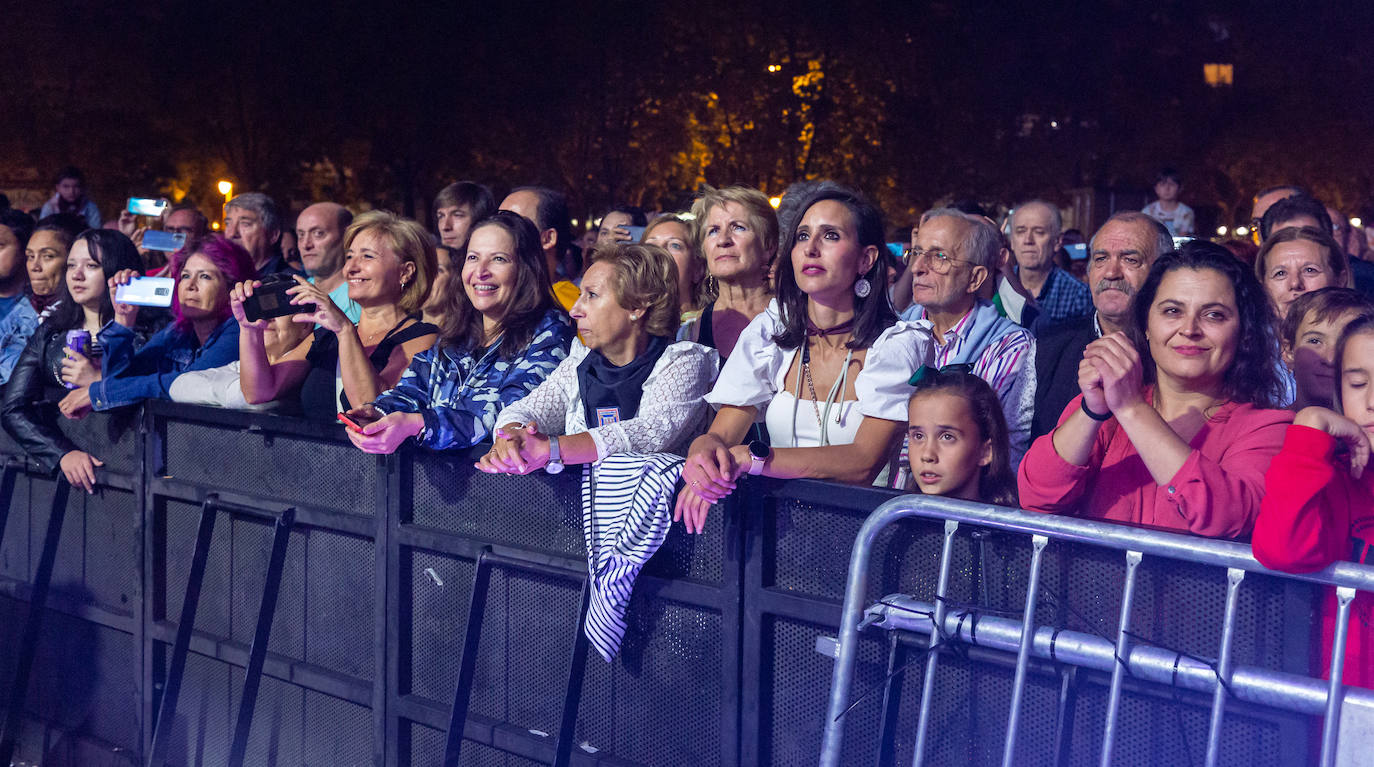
(270, 300)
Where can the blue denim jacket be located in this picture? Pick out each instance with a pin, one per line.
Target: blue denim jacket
(15, 329)
(460, 394)
(127, 377)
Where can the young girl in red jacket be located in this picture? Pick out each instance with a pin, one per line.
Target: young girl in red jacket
(1318, 507)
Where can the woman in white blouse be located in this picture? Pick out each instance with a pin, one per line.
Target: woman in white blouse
(625, 386)
(824, 367)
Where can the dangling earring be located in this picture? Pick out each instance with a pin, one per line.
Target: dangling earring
(862, 287)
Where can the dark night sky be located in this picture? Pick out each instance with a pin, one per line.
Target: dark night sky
(382, 104)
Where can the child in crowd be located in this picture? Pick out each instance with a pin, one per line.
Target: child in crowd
(1318, 507)
(958, 439)
(1309, 335)
(1167, 210)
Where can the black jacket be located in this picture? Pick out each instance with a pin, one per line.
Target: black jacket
(1057, 354)
(28, 405)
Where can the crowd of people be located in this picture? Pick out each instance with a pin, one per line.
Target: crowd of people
(1218, 389)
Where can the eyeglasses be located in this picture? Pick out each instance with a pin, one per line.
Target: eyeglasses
(940, 261)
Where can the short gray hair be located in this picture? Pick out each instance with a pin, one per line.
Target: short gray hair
(261, 204)
(983, 242)
(1163, 240)
(1056, 218)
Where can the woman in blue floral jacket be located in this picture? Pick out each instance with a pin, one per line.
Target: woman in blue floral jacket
(502, 336)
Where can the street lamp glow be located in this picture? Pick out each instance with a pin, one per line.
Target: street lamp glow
(214, 225)
(775, 202)
(1241, 231)
(226, 188)
(1356, 221)
(1221, 231)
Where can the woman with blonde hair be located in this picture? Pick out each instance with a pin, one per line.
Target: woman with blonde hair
(737, 232)
(389, 265)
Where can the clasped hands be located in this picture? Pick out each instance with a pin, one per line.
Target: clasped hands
(516, 449)
(708, 476)
(1110, 375)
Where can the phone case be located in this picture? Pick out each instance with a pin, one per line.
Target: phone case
(147, 291)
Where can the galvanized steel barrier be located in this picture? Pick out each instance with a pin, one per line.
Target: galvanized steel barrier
(1127, 656)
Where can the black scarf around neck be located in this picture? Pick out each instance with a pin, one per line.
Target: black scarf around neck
(610, 393)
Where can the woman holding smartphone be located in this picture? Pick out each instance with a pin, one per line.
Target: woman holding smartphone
(501, 337)
(389, 264)
(48, 370)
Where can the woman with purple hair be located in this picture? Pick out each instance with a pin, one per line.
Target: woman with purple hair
(203, 333)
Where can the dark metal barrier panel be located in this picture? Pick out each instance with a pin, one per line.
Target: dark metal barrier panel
(79, 705)
(800, 539)
(719, 665)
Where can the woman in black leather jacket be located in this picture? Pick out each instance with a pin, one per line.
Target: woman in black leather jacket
(28, 408)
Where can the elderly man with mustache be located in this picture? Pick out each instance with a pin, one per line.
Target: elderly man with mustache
(1119, 259)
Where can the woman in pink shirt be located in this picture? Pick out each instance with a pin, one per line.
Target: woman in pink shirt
(1178, 434)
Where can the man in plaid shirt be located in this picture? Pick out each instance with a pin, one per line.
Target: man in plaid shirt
(1035, 237)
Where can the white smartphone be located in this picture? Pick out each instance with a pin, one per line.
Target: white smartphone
(147, 206)
(147, 291)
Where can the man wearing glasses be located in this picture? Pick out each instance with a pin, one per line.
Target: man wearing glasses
(950, 259)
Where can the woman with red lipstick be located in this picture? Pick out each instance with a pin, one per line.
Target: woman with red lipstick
(1176, 425)
(825, 368)
(1319, 507)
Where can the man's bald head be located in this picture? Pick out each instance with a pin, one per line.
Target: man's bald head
(319, 236)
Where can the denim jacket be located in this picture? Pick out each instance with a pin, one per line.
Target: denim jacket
(127, 377)
(459, 394)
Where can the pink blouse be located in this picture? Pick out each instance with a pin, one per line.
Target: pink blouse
(1216, 493)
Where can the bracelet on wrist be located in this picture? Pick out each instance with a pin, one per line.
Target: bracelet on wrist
(1099, 417)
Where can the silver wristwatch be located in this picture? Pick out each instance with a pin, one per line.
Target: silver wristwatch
(555, 464)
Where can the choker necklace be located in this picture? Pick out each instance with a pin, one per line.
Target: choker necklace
(812, 329)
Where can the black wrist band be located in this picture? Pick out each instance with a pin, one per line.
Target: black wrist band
(1099, 417)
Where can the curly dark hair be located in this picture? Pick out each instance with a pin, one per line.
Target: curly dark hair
(531, 296)
(1253, 377)
(872, 314)
(996, 481)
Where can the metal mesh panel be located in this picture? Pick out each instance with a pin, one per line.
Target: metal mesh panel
(110, 436)
(438, 619)
(201, 731)
(14, 550)
(336, 732)
(663, 693)
(541, 511)
(304, 471)
(213, 612)
(339, 599)
(278, 733)
(426, 744)
(113, 523)
(83, 680)
(252, 548)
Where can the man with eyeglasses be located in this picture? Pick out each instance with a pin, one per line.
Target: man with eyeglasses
(1119, 259)
(1265, 200)
(951, 258)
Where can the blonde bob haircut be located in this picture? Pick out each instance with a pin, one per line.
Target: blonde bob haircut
(762, 218)
(644, 279)
(410, 242)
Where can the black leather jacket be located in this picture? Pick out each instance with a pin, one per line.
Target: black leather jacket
(28, 405)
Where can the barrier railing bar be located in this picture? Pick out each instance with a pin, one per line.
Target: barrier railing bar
(28, 641)
(467, 660)
(932, 658)
(1261, 687)
(1234, 576)
(892, 699)
(267, 609)
(1133, 559)
(1018, 684)
(572, 693)
(1344, 596)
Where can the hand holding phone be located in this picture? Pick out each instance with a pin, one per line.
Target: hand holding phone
(355, 421)
(146, 291)
(147, 206)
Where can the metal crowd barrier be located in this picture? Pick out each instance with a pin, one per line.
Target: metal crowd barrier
(385, 576)
(1352, 708)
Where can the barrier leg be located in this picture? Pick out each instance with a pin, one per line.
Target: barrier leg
(467, 661)
(1018, 685)
(257, 653)
(1068, 706)
(1344, 595)
(892, 698)
(166, 712)
(1228, 626)
(1119, 665)
(932, 659)
(28, 642)
(7, 478)
(572, 694)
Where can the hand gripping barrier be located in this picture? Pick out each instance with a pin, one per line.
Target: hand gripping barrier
(1124, 657)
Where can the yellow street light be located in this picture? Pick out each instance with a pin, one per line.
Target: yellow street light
(226, 188)
(1356, 222)
(1221, 230)
(775, 201)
